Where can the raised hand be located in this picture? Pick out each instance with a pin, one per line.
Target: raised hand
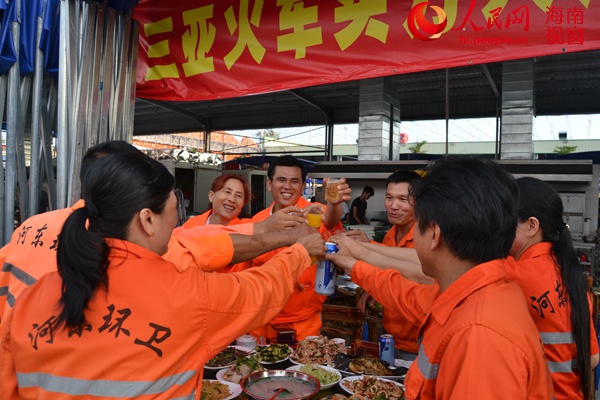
(283, 219)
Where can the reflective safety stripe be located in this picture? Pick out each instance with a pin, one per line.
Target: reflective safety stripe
(565, 366)
(557, 337)
(19, 274)
(103, 388)
(10, 299)
(428, 370)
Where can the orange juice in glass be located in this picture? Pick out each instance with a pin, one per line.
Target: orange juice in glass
(331, 190)
(314, 220)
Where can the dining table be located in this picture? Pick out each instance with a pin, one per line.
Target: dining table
(211, 374)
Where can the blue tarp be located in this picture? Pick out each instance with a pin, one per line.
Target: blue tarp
(50, 37)
(31, 10)
(8, 55)
(121, 5)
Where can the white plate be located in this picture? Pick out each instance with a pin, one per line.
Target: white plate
(357, 377)
(221, 379)
(274, 362)
(323, 387)
(234, 388)
(229, 365)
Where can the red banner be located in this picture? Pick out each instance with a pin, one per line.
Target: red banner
(203, 50)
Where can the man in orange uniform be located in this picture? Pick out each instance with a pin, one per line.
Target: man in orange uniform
(477, 340)
(401, 216)
(285, 179)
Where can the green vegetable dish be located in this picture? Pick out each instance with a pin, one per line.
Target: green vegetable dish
(324, 376)
(272, 353)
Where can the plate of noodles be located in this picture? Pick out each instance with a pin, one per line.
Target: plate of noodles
(372, 387)
(212, 389)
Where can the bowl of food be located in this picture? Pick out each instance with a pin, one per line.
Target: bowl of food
(296, 385)
(328, 377)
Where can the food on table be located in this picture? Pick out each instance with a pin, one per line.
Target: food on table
(295, 387)
(214, 390)
(226, 357)
(342, 397)
(369, 365)
(319, 350)
(272, 353)
(241, 368)
(324, 376)
(373, 388)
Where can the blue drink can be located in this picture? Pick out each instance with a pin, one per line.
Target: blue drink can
(325, 279)
(386, 348)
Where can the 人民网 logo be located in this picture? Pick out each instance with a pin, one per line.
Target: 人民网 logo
(420, 27)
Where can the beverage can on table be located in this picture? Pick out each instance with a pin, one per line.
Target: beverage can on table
(386, 348)
(325, 278)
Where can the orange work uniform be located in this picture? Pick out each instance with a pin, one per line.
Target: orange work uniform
(405, 334)
(540, 278)
(242, 226)
(303, 310)
(477, 340)
(31, 252)
(147, 337)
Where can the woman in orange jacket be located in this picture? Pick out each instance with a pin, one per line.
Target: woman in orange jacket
(228, 195)
(552, 279)
(117, 320)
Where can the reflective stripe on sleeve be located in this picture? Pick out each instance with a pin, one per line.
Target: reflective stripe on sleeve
(19, 274)
(557, 337)
(565, 366)
(102, 388)
(428, 370)
(10, 299)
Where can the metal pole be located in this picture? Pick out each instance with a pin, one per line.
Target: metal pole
(64, 71)
(35, 166)
(12, 127)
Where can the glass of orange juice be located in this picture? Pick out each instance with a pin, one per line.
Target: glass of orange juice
(314, 220)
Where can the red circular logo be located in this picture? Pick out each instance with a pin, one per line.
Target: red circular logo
(420, 27)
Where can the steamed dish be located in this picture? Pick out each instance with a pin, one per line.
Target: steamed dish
(241, 368)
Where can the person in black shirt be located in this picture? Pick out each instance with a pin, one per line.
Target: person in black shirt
(358, 210)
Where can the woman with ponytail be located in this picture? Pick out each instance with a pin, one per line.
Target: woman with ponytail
(553, 281)
(117, 320)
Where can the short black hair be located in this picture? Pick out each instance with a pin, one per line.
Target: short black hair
(474, 202)
(402, 177)
(286, 161)
(369, 190)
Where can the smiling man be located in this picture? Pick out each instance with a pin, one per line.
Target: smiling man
(285, 180)
(401, 215)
